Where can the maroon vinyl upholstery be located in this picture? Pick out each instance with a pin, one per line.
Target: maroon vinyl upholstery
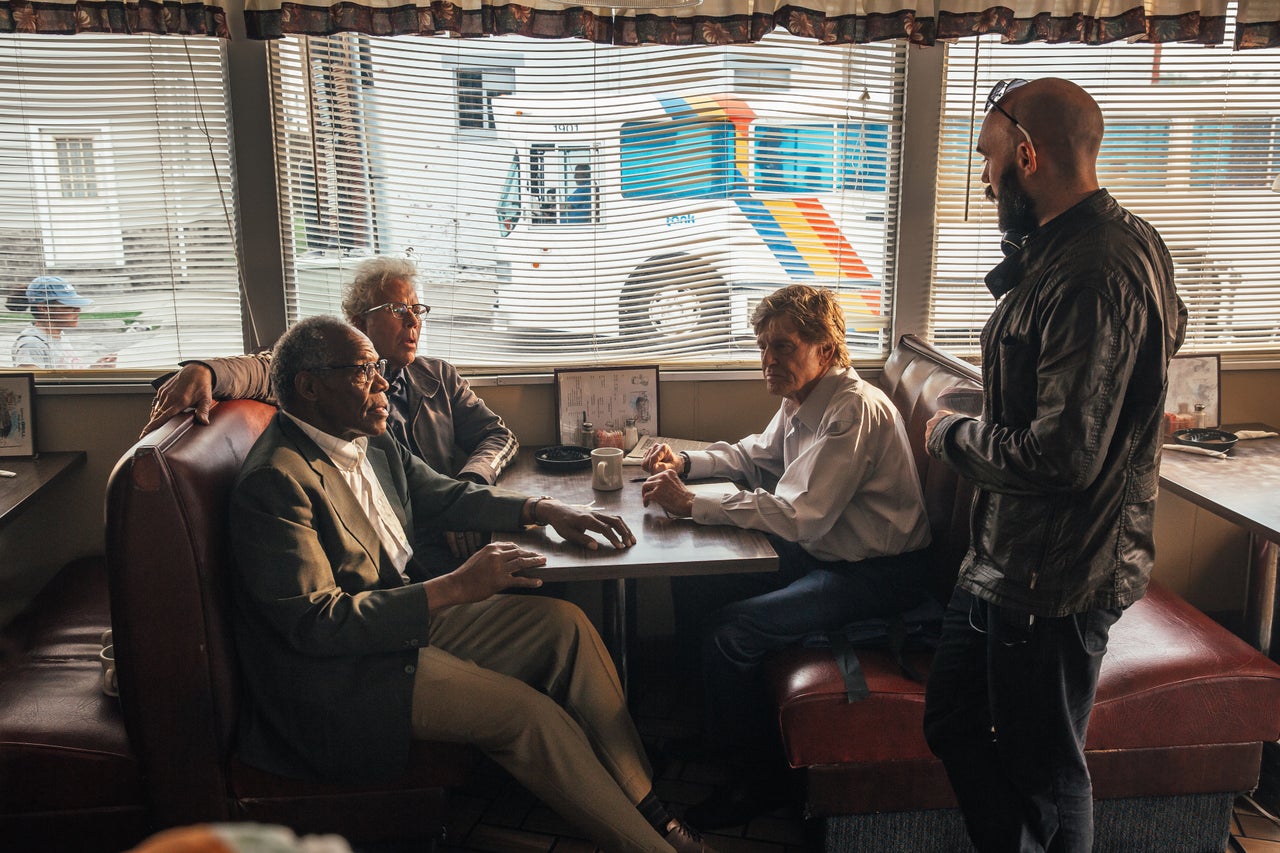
(68, 777)
(1183, 706)
(168, 561)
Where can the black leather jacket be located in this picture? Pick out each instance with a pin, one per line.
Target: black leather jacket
(1066, 454)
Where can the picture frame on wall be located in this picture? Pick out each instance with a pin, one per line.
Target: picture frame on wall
(1194, 379)
(606, 397)
(17, 414)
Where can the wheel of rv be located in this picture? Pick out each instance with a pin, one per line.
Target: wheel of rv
(673, 297)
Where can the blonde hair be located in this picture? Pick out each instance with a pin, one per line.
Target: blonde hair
(816, 313)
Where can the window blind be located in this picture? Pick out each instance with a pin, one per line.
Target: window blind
(117, 178)
(568, 203)
(1192, 145)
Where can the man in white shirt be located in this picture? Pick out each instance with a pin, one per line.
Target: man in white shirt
(832, 481)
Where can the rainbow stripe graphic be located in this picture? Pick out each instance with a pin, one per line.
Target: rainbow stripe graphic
(800, 233)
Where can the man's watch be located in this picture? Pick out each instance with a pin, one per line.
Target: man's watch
(684, 472)
(533, 510)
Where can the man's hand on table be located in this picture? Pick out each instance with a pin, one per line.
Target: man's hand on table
(666, 490)
(495, 567)
(573, 523)
(189, 388)
(661, 457)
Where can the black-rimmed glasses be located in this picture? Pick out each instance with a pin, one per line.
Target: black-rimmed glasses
(399, 310)
(997, 93)
(363, 373)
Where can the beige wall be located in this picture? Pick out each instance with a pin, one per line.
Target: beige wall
(1199, 555)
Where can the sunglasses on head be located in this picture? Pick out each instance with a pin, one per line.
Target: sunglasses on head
(996, 95)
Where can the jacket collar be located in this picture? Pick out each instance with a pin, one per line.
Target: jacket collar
(1010, 272)
(419, 375)
(350, 514)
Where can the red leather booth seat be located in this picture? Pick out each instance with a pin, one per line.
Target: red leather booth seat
(69, 780)
(1182, 710)
(168, 565)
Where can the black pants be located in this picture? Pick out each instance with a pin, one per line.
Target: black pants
(1006, 710)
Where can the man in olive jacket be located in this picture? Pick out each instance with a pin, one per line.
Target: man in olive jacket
(352, 647)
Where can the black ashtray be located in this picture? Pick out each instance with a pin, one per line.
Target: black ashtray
(563, 457)
(1209, 439)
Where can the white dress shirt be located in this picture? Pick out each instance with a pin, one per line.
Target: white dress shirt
(351, 460)
(834, 474)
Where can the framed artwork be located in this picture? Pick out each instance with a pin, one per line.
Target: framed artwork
(17, 414)
(1194, 379)
(606, 396)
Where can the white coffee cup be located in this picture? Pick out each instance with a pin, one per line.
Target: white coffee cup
(606, 468)
(107, 657)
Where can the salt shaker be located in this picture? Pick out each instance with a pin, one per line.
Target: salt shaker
(1201, 416)
(587, 435)
(630, 435)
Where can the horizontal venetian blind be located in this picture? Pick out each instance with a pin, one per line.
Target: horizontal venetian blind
(117, 179)
(1192, 145)
(570, 203)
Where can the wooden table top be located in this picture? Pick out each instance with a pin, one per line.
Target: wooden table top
(1243, 486)
(32, 476)
(664, 546)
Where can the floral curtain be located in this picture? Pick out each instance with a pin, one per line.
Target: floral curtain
(142, 17)
(739, 21)
(669, 21)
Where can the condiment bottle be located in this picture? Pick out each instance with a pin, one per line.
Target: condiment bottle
(630, 435)
(1201, 416)
(608, 436)
(587, 434)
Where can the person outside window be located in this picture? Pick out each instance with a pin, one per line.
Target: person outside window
(581, 202)
(55, 306)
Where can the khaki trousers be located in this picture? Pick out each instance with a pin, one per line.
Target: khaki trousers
(527, 680)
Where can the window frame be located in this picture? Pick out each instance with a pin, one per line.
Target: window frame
(249, 80)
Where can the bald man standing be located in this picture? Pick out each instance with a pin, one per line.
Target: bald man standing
(1065, 460)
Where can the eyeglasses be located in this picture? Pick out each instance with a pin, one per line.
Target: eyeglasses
(997, 93)
(399, 309)
(363, 372)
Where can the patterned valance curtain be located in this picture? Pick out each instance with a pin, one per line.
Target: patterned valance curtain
(670, 21)
(130, 17)
(741, 21)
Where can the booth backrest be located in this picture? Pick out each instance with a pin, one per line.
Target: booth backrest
(168, 561)
(920, 380)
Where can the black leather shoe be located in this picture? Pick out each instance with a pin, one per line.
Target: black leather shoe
(736, 804)
(685, 839)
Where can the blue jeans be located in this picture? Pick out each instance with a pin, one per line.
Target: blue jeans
(735, 620)
(1006, 710)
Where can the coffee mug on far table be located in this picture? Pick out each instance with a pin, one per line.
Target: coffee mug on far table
(606, 468)
(107, 657)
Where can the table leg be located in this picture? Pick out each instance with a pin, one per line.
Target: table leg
(1261, 599)
(615, 625)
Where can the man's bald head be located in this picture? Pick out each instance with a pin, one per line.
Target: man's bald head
(1065, 124)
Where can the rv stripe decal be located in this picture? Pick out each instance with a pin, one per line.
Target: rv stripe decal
(775, 237)
(804, 238)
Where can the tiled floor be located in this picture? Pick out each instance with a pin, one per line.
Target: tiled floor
(495, 815)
